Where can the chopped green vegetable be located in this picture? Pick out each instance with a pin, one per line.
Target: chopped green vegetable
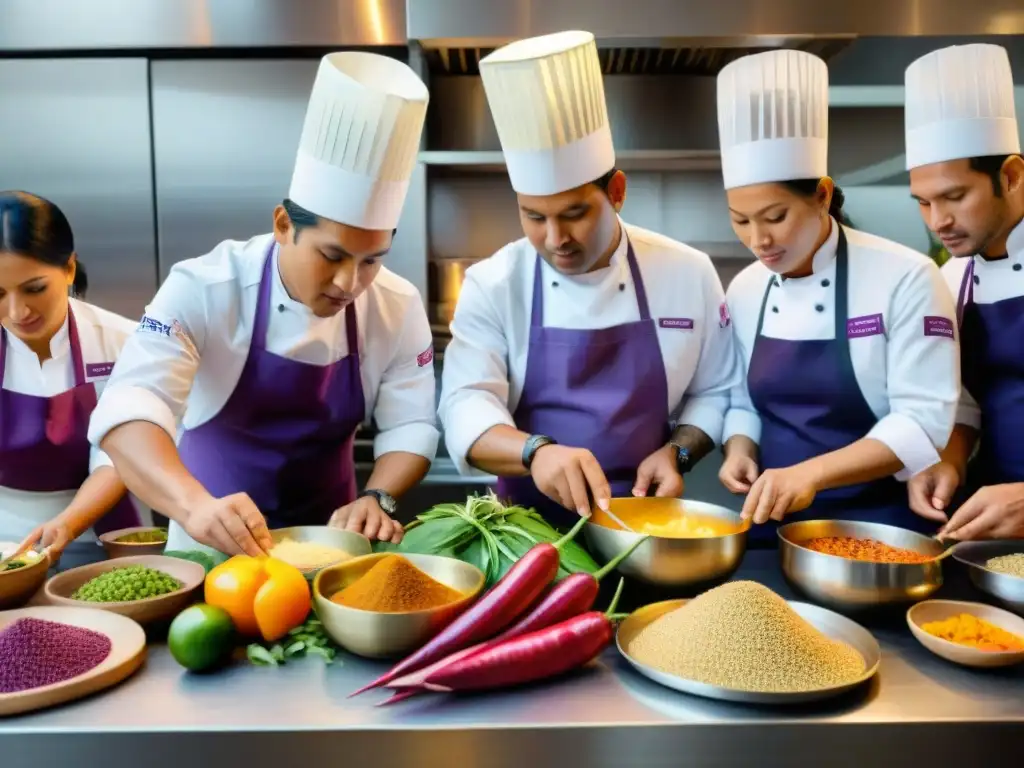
(205, 559)
(155, 536)
(308, 639)
(487, 534)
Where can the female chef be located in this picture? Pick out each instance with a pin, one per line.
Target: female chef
(848, 340)
(55, 355)
(576, 348)
(274, 351)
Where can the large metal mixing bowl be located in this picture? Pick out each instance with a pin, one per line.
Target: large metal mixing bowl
(668, 562)
(1002, 586)
(850, 585)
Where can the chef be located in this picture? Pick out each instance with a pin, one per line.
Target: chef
(576, 348)
(848, 340)
(966, 172)
(56, 353)
(273, 351)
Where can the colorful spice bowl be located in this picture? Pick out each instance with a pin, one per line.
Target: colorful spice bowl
(930, 611)
(19, 584)
(115, 546)
(845, 584)
(149, 610)
(378, 634)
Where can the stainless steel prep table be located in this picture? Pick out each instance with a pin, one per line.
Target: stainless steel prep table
(920, 709)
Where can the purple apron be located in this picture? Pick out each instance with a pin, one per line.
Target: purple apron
(807, 396)
(603, 389)
(992, 362)
(285, 435)
(44, 444)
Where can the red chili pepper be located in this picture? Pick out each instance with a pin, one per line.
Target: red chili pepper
(573, 595)
(500, 606)
(545, 653)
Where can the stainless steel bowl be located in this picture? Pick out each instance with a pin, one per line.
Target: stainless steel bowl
(351, 543)
(386, 635)
(1006, 588)
(845, 584)
(669, 562)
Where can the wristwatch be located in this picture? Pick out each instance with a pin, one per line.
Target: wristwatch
(682, 458)
(386, 500)
(533, 444)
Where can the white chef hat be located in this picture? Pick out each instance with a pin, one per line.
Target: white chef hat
(959, 104)
(773, 118)
(360, 140)
(547, 100)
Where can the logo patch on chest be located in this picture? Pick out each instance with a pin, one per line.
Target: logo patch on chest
(723, 315)
(98, 370)
(425, 357)
(938, 326)
(678, 323)
(868, 325)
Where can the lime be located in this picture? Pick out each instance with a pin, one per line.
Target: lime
(201, 637)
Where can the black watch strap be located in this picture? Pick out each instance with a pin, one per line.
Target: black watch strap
(683, 463)
(533, 444)
(386, 500)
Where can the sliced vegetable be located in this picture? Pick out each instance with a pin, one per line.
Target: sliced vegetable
(309, 639)
(264, 597)
(544, 653)
(487, 534)
(499, 607)
(570, 597)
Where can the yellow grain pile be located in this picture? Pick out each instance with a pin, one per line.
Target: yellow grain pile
(743, 636)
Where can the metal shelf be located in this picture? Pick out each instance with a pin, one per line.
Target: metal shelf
(484, 161)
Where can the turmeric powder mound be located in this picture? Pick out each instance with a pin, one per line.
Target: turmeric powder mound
(395, 585)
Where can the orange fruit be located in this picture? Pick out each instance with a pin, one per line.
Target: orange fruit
(233, 586)
(282, 602)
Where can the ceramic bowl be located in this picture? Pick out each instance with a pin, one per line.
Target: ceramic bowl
(117, 548)
(351, 543)
(150, 610)
(387, 635)
(937, 610)
(19, 585)
(663, 561)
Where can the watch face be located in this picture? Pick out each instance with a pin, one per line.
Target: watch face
(386, 503)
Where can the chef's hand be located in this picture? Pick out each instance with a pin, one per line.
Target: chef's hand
(931, 491)
(365, 516)
(570, 476)
(53, 535)
(738, 472)
(994, 512)
(233, 525)
(660, 469)
(777, 492)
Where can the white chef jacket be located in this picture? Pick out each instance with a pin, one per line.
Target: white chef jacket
(909, 378)
(184, 360)
(101, 336)
(485, 363)
(994, 281)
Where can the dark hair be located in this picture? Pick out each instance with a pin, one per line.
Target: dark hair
(808, 188)
(603, 181)
(36, 228)
(301, 218)
(991, 166)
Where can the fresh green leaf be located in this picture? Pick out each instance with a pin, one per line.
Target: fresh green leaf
(432, 536)
(257, 654)
(575, 559)
(476, 554)
(294, 648)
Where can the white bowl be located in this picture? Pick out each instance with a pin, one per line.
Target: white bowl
(937, 610)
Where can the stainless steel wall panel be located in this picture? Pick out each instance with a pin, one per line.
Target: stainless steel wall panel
(31, 25)
(77, 132)
(225, 138)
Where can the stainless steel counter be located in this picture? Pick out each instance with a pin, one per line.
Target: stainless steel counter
(919, 708)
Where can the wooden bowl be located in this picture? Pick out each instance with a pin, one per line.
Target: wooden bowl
(117, 548)
(18, 586)
(150, 610)
(127, 653)
(938, 610)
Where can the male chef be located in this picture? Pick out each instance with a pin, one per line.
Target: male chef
(575, 349)
(966, 172)
(273, 351)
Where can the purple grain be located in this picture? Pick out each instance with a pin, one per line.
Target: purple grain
(34, 653)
